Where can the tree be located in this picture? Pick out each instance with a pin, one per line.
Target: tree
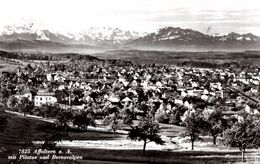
(12, 102)
(175, 117)
(112, 119)
(128, 116)
(193, 124)
(64, 117)
(48, 111)
(244, 134)
(3, 118)
(215, 124)
(83, 119)
(162, 117)
(4, 94)
(147, 131)
(25, 105)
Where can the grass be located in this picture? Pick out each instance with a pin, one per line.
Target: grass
(5, 66)
(21, 129)
(171, 130)
(153, 156)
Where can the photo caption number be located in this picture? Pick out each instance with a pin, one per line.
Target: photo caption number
(24, 151)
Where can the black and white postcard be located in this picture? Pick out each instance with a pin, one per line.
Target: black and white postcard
(129, 81)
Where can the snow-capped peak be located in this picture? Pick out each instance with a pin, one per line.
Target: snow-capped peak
(25, 29)
(238, 37)
(115, 35)
(104, 35)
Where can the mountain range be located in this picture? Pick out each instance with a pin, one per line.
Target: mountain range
(93, 36)
(106, 38)
(187, 39)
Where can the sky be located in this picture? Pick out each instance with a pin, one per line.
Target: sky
(207, 16)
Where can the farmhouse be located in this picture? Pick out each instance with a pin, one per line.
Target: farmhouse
(44, 97)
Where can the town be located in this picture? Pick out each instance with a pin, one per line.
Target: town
(127, 86)
(123, 95)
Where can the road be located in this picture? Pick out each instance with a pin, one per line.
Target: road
(245, 95)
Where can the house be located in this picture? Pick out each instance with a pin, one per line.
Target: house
(178, 101)
(184, 93)
(114, 99)
(204, 97)
(188, 105)
(59, 77)
(219, 94)
(25, 93)
(216, 86)
(44, 97)
(126, 101)
(197, 92)
(247, 109)
(254, 90)
(194, 84)
(49, 77)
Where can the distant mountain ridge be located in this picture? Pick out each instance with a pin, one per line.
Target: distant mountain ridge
(171, 37)
(94, 36)
(168, 38)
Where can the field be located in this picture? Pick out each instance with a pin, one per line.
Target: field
(21, 129)
(171, 57)
(7, 66)
(198, 59)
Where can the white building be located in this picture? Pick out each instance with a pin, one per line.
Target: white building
(49, 77)
(59, 77)
(44, 97)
